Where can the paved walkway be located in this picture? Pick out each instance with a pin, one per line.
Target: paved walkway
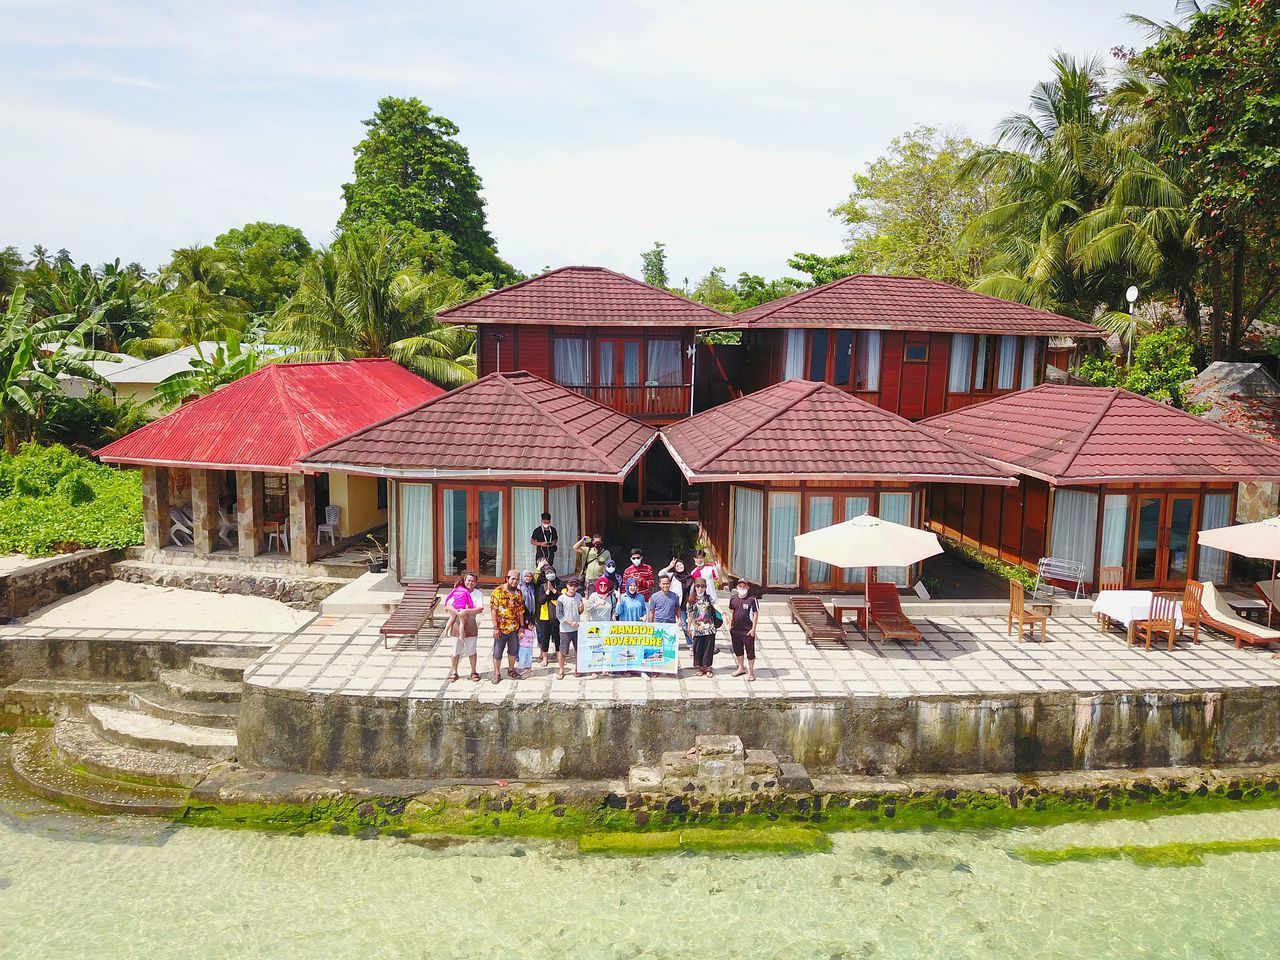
(958, 656)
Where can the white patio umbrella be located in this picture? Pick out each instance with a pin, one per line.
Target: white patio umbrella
(1258, 540)
(868, 541)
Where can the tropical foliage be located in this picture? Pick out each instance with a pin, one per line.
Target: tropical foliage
(228, 361)
(1162, 362)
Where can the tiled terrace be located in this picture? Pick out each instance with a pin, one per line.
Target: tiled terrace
(966, 655)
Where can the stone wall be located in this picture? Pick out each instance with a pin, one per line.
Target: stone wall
(388, 737)
(302, 592)
(48, 581)
(99, 658)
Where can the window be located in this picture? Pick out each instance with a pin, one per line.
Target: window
(1115, 529)
(843, 358)
(381, 487)
(1075, 527)
(793, 355)
(564, 504)
(981, 362)
(526, 513)
(821, 514)
(417, 535)
(1030, 352)
(916, 353)
(571, 360)
(1215, 512)
(867, 361)
(1008, 362)
(664, 363)
(856, 507)
(747, 548)
(896, 508)
(784, 525)
(960, 372)
(818, 355)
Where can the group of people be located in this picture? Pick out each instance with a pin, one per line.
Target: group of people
(540, 607)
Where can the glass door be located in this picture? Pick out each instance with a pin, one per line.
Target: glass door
(1164, 525)
(819, 512)
(1146, 541)
(1179, 526)
(619, 374)
(472, 531)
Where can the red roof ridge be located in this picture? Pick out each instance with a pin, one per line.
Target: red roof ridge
(736, 438)
(1087, 432)
(773, 306)
(286, 401)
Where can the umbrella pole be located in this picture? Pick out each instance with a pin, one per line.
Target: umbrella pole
(1271, 606)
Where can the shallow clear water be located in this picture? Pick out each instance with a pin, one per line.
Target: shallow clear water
(107, 887)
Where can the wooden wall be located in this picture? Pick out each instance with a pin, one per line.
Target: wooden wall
(1006, 522)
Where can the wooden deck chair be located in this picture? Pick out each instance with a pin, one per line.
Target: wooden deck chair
(885, 611)
(1269, 590)
(819, 626)
(1162, 618)
(412, 612)
(1218, 615)
(1109, 578)
(1018, 612)
(1192, 608)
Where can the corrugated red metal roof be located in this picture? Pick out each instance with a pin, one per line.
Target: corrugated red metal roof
(271, 417)
(584, 295)
(1077, 435)
(799, 429)
(504, 425)
(875, 301)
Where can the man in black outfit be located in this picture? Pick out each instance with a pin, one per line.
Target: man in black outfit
(545, 540)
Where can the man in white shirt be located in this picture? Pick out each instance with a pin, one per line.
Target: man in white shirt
(464, 641)
(707, 572)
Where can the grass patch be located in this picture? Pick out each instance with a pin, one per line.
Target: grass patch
(1183, 854)
(775, 839)
(55, 501)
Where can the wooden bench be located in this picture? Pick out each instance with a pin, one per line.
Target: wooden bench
(819, 626)
(412, 612)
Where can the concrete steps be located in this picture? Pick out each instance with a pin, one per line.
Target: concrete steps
(82, 748)
(191, 686)
(40, 768)
(157, 701)
(221, 668)
(29, 700)
(132, 728)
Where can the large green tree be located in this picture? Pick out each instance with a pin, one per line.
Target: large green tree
(411, 167)
(263, 260)
(909, 208)
(370, 296)
(194, 304)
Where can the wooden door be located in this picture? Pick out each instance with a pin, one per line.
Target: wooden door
(1163, 540)
(914, 383)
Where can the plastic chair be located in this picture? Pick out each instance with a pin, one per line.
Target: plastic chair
(277, 533)
(181, 524)
(332, 517)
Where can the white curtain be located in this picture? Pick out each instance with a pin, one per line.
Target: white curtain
(784, 525)
(793, 355)
(821, 514)
(605, 366)
(664, 363)
(1008, 362)
(980, 368)
(1075, 527)
(856, 507)
(867, 360)
(526, 513)
(416, 532)
(1029, 345)
(571, 361)
(747, 548)
(1215, 512)
(895, 507)
(1115, 528)
(566, 517)
(961, 363)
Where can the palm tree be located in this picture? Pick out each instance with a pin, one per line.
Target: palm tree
(361, 299)
(33, 354)
(229, 361)
(195, 305)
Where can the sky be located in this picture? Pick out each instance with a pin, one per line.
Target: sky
(727, 129)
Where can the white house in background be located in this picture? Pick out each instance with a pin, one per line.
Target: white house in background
(136, 378)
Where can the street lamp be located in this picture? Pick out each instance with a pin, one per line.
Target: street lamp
(1131, 295)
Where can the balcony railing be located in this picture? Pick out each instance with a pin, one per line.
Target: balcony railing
(641, 400)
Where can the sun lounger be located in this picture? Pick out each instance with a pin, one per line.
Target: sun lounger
(1269, 590)
(413, 611)
(818, 625)
(1215, 613)
(885, 611)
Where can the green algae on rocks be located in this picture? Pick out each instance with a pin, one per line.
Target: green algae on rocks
(776, 839)
(1181, 854)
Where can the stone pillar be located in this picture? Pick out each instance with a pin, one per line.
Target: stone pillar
(302, 517)
(204, 511)
(249, 510)
(155, 507)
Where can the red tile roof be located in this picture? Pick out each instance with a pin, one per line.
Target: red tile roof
(1079, 435)
(584, 295)
(506, 425)
(268, 419)
(875, 301)
(799, 429)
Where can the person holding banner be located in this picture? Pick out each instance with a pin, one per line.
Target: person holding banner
(569, 614)
(704, 623)
(599, 606)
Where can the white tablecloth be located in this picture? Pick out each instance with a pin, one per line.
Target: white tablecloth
(1127, 606)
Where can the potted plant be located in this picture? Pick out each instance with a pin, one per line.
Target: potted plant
(376, 555)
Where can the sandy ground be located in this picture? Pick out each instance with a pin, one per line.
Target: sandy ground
(135, 606)
(11, 562)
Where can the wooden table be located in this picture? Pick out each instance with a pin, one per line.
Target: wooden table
(857, 606)
(1247, 607)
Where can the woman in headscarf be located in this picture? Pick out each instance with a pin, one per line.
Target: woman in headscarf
(704, 623)
(548, 625)
(599, 607)
(682, 585)
(632, 607)
(529, 594)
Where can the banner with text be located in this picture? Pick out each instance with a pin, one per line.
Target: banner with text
(622, 647)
